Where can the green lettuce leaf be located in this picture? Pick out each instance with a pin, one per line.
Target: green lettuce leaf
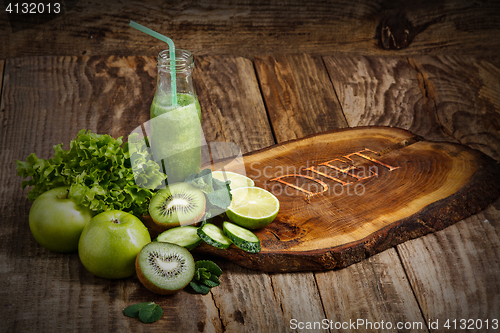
(98, 170)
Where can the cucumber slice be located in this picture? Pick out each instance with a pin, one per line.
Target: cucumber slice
(214, 236)
(241, 237)
(186, 236)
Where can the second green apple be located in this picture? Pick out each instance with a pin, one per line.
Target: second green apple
(109, 244)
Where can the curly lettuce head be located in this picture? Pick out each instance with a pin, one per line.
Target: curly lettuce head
(98, 170)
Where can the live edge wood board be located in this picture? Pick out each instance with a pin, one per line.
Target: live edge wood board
(348, 194)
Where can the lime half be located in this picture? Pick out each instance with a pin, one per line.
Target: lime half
(252, 207)
(236, 179)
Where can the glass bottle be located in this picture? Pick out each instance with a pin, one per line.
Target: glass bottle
(176, 126)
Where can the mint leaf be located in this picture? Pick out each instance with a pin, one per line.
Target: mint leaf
(133, 310)
(210, 266)
(209, 283)
(203, 180)
(199, 288)
(214, 279)
(150, 313)
(220, 198)
(218, 184)
(217, 193)
(205, 276)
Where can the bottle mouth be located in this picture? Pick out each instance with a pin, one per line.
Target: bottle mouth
(183, 60)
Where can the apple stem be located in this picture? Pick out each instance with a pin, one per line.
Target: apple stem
(115, 221)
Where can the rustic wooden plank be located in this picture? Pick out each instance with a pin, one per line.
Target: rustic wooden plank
(300, 300)
(45, 101)
(2, 64)
(244, 28)
(246, 301)
(436, 285)
(284, 283)
(462, 283)
(382, 91)
(365, 294)
(233, 111)
(232, 106)
(463, 92)
(299, 96)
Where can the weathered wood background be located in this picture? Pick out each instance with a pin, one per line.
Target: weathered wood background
(249, 28)
(265, 73)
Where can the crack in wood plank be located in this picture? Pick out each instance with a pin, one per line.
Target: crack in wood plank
(429, 95)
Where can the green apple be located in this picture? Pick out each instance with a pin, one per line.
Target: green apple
(110, 243)
(56, 221)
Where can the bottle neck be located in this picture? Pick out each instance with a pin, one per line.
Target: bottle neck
(183, 62)
(184, 65)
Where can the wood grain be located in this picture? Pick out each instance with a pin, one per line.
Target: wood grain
(232, 106)
(463, 283)
(246, 301)
(299, 96)
(373, 290)
(385, 92)
(45, 101)
(2, 64)
(464, 92)
(249, 28)
(63, 296)
(300, 101)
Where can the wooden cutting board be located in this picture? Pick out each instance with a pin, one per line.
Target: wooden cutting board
(348, 194)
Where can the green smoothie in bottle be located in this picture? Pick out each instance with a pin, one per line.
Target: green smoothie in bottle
(176, 127)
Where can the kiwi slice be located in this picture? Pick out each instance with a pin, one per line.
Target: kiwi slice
(164, 268)
(186, 236)
(177, 204)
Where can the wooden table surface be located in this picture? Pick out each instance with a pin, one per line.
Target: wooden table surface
(255, 99)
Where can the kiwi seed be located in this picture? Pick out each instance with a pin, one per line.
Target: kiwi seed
(177, 203)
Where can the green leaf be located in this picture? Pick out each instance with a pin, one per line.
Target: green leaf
(197, 273)
(214, 279)
(133, 310)
(220, 198)
(210, 266)
(99, 170)
(209, 283)
(217, 193)
(150, 313)
(205, 275)
(203, 180)
(199, 288)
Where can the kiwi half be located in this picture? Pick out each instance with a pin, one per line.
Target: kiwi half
(164, 268)
(177, 204)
